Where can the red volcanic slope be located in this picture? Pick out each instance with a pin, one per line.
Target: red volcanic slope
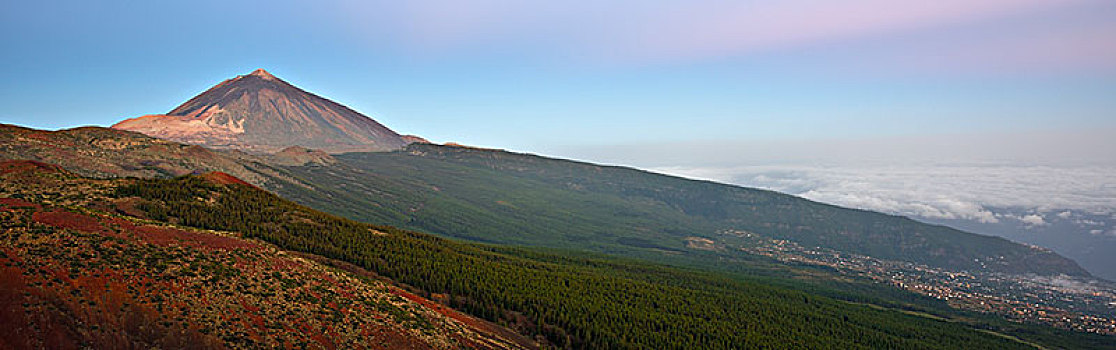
(415, 139)
(6, 203)
(20, 165)
(222, 178)
(71, 279)
(108, 153)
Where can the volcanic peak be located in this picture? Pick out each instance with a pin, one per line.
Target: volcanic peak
(259, 112)
(263, 74)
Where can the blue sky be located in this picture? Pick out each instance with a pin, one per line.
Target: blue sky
(565, 77)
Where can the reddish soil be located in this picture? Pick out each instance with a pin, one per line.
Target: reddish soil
(19, 166)
(65, 219)
(221, 178)
(62, 316)
(165, 236)
(488, 329)
(17, 203)
(64, 290)
(158, 235)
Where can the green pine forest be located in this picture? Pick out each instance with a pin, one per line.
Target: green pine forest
(579, 300)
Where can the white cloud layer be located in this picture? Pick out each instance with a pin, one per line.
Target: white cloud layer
(1033, 220)
(966, 192)
(1041, 181)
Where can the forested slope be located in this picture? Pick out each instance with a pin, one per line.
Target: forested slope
(508, 198)
(578, 302)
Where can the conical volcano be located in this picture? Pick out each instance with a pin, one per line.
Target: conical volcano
(261, 113)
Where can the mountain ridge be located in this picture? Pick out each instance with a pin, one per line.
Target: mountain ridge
(131, 153)
(419, 188)
(514, 198)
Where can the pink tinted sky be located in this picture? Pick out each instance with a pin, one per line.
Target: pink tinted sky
(650, 32)
(527, 75)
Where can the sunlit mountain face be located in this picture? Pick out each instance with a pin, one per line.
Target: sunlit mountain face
(259, 112)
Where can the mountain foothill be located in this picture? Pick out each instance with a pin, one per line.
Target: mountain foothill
(260, 215)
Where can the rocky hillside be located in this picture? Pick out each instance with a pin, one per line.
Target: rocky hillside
(79, 269)
(105, 153)
(110, 153)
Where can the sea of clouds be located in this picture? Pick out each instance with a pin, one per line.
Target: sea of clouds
(1029, 195)
(1055, 189)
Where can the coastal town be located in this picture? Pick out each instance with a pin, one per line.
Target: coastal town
(1066, 302)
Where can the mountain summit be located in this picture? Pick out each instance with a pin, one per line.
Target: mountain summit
(259, 112)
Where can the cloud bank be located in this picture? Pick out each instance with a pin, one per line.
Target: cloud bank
(966, 192)
(1030, 179)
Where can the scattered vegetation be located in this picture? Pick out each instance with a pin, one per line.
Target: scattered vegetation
(73, 277)
(570, 301)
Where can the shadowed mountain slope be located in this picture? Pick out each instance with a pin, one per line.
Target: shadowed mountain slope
(508, 198)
